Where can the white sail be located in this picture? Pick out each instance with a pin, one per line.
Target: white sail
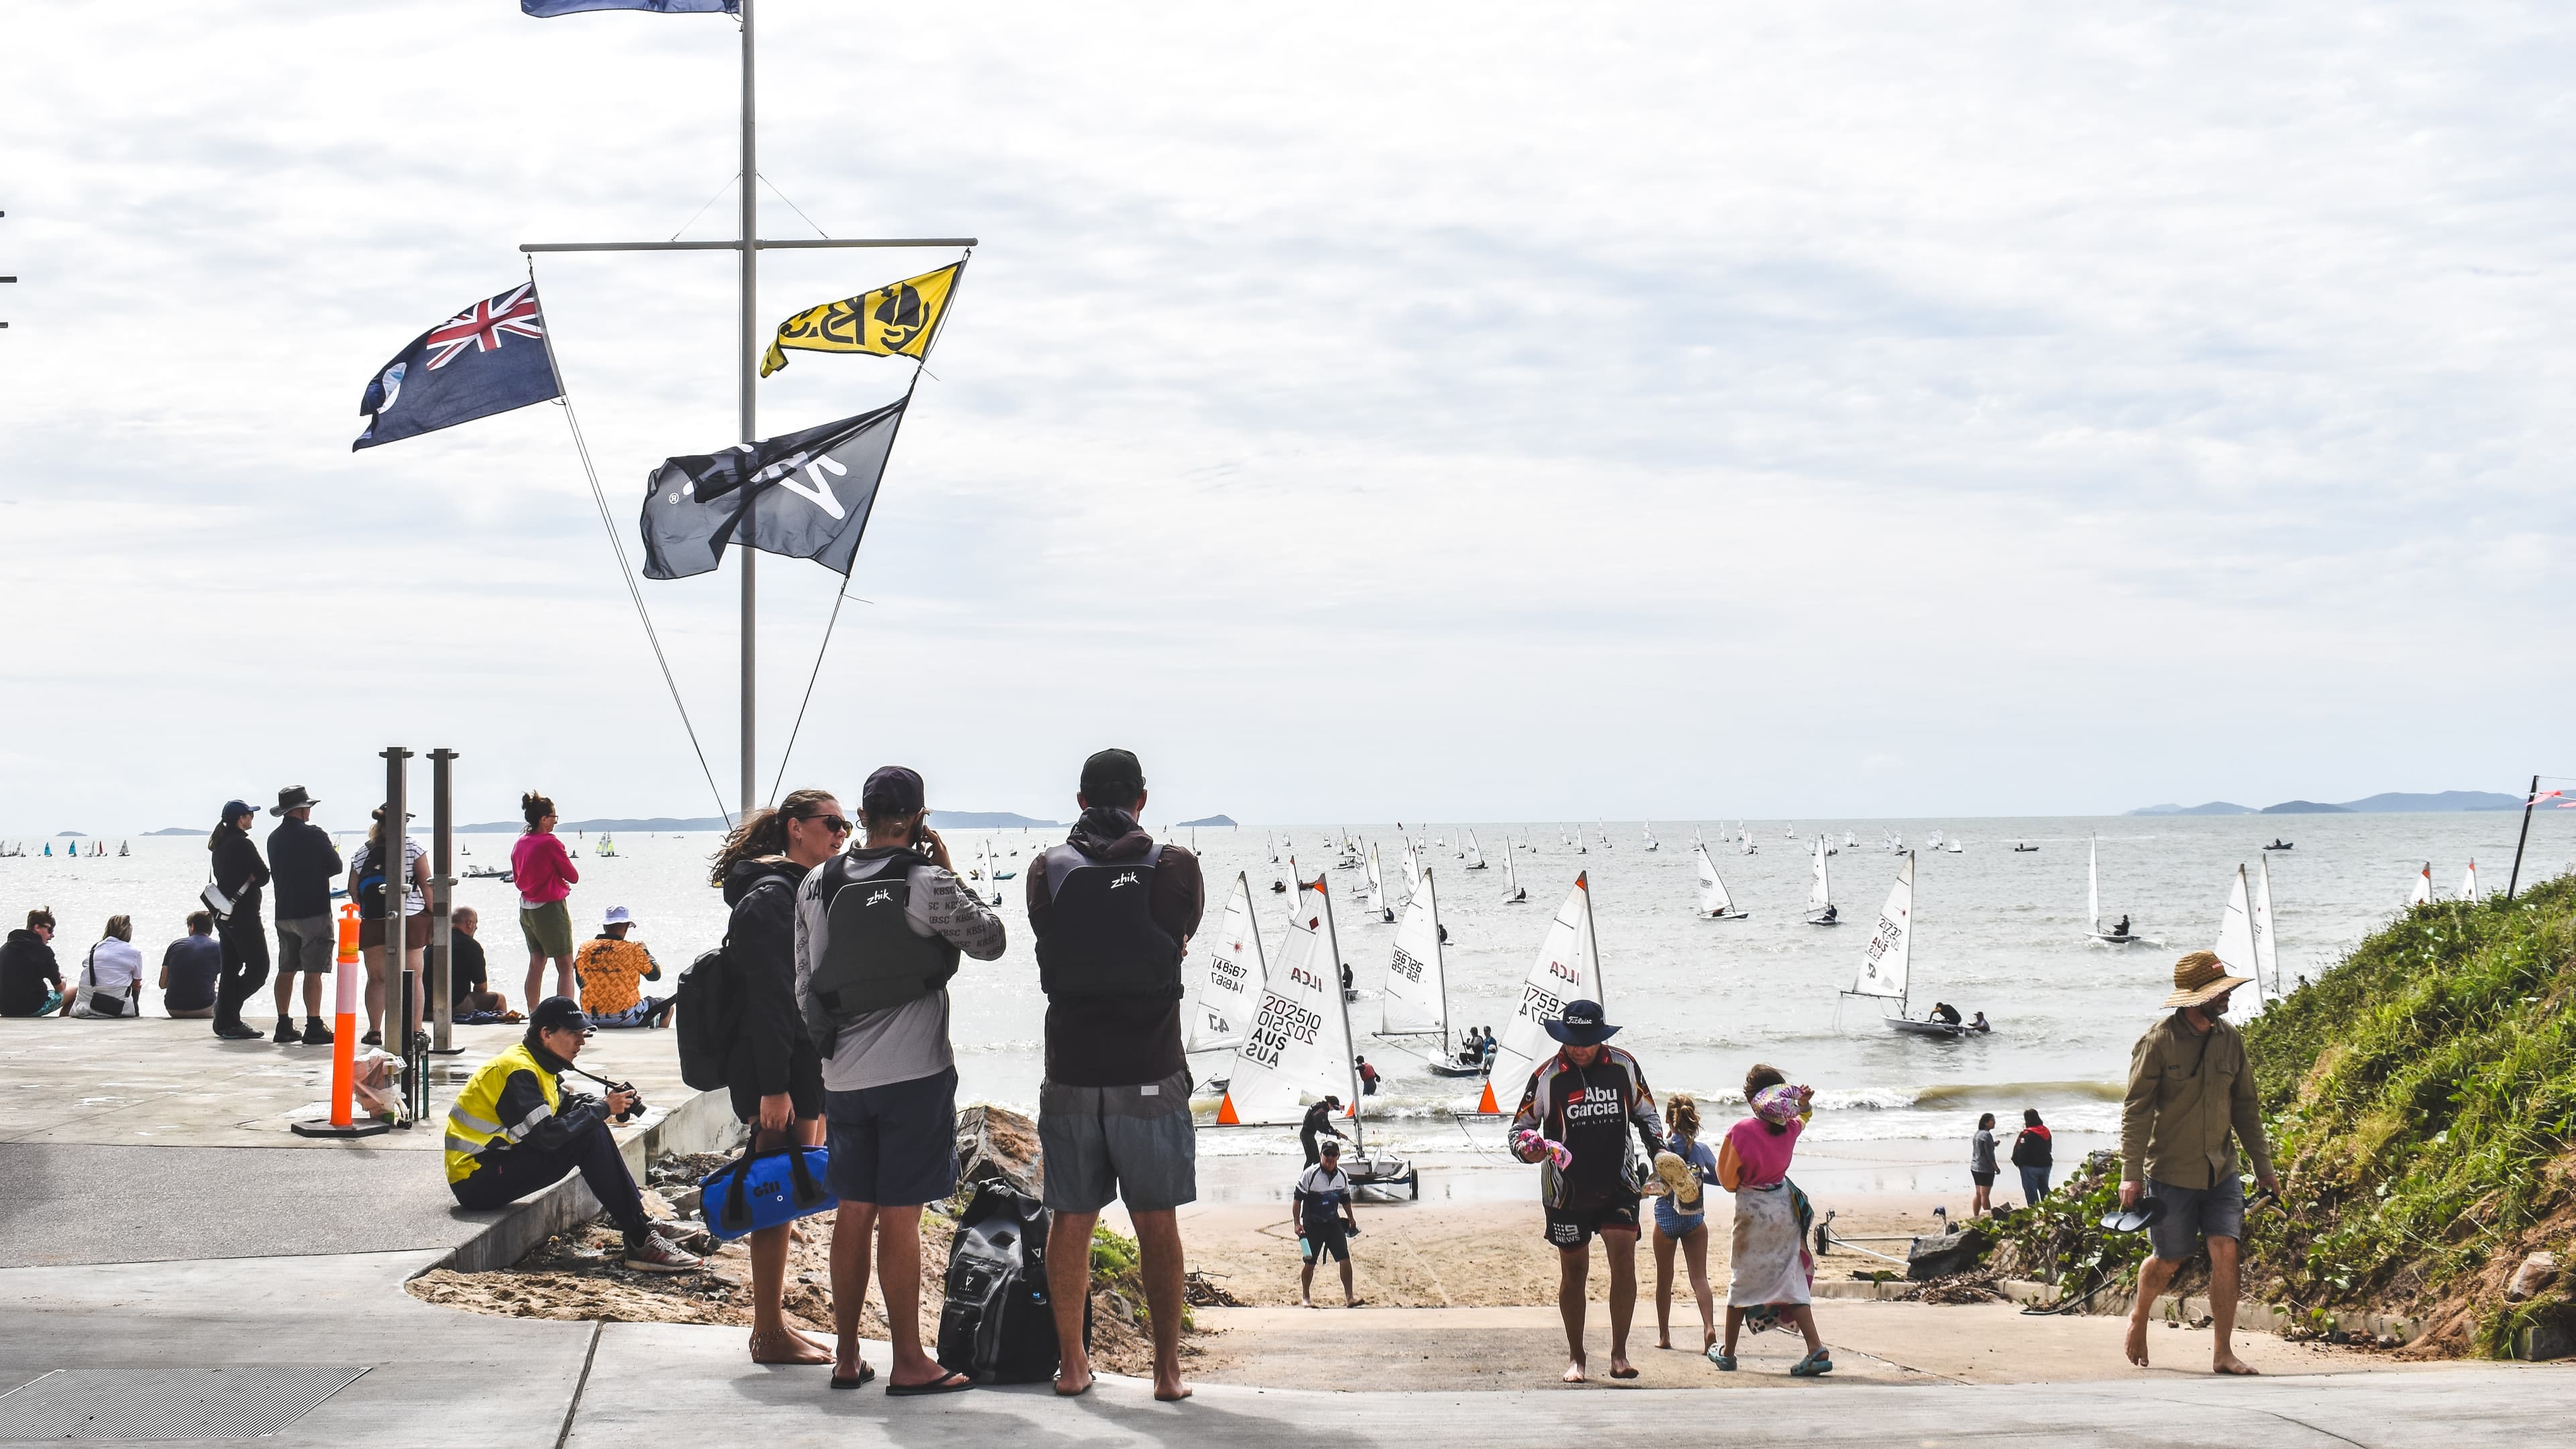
(1273, 847)
(1891, 947)
(2093, 884)
(1820, 893)
(1230, 975)
(1412, 869)
(2267, 951)
(1417, 984)
(1567, 968)
(1713, 900)
(1476, 856)
(2236, 948)
(2423, 887)
(1511, 879)
(1850, 841)
(2469, 884)
(1376, 884)
(1298, 1049)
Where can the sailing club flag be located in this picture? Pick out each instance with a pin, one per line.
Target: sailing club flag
(895, 320)
(487, 359)
(543, 9)
(804, 494)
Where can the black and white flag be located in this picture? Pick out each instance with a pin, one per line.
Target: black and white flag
(804, 494)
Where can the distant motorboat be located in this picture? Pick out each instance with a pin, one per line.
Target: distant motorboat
(485, 872)
(2024, 847)
(2280, 844)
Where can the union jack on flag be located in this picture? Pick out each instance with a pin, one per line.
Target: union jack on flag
(482, 325)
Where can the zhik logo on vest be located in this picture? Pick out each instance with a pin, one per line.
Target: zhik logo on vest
(882, 894)
(1125, 879)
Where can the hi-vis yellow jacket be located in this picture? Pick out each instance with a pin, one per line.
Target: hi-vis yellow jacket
(511, 1098)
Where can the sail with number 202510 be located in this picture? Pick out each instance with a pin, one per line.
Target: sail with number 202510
(1568, 968)
(1298, 1048)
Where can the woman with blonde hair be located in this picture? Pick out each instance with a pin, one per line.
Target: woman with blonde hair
(1681, 1219)
(773, 1069)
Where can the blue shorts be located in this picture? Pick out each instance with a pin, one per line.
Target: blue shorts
(895, 1145)
(2193, 1213)
(1136, 1144)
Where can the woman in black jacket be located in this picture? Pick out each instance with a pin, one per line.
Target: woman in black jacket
(773, 1070)
(239, 874)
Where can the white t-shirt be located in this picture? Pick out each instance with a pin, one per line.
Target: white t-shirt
(362, 863)
(112, 968)
(1325, 1190)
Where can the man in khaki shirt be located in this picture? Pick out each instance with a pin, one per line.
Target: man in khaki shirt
(2190, 1092)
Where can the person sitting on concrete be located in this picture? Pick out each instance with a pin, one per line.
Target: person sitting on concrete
(468, 975)
(111, 974)
(31, 984)
(189, 969)
(609, 966)
(515, 1129)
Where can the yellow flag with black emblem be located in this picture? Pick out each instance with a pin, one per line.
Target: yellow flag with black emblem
(896, 320)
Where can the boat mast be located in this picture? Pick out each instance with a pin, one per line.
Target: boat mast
(748, 363)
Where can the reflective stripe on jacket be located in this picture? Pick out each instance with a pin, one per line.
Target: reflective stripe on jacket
(476, 1124)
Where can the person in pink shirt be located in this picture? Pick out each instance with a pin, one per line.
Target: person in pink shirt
(1773, 1274)
(545, 876)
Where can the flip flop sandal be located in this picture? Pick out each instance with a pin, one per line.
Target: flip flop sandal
(867, 1371)
(1725, 1361)
(952, 1384)
(1811, 1366)
(1680, 1184)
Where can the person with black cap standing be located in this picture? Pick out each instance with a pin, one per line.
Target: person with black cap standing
(239, 873)
(1574, 1121)
(878, 934)
(514, 1129)
(308, 940)
(1113, 913)
(772, 1069)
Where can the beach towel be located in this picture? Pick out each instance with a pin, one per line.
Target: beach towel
(1771, 1264)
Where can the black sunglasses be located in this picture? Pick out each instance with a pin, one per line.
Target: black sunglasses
(832, 823)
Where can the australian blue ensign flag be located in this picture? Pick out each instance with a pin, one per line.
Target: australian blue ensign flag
(487, 359)
(667, 7)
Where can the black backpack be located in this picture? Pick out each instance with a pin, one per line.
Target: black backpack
(709, 1010)
(998, 1325)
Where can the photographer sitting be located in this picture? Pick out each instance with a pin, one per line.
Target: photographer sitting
(514, 1129)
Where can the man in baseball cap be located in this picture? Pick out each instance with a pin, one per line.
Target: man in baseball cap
(2191, 1102)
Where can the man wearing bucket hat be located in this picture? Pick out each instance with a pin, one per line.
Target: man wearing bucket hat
(1574, 1121)
(2190, 1103)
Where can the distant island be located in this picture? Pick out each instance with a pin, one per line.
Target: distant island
(1212, 821)
(984, 820)
(2394, 802)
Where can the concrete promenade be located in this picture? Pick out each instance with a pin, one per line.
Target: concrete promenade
(163, 1233)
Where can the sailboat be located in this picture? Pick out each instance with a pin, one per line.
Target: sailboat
(2423, 895)
(2122, 935)
(1886, 969)
(2468, 883)
(1298, 1047)
(1850, 841)
(1416, 1000)
(1272, 846)
(1512, 893)
(1412, 869)
(1230, 977)
(2267, 954)
(1576, 840)
(1651, 842)
(1714, 903)
(1377, 888)
(1476, 856)
(1954, 846)
(1820, 897)
(1567, 968)
(2240, 945)
(990, 878)
(607, 845)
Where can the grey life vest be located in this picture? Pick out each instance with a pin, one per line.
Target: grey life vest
(1101, 939)
(872, 960)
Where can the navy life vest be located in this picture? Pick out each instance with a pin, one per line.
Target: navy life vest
(1101, 938)
(872, 960)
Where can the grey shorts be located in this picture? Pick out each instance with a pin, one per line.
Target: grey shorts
(2193, 1213)
(307, 943)
(1136, 1144)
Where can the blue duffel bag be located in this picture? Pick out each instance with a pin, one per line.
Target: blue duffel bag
(766, 1189)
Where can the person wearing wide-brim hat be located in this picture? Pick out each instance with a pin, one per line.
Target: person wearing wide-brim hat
(2191, 1103)
(1588, 1178)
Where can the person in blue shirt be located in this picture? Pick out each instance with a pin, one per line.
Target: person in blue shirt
(1681, 1219)
(190, 968)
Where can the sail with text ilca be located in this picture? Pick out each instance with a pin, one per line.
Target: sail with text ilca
(1230, 976)
(1568, 968)
(1417, 987)
(1298, 1047)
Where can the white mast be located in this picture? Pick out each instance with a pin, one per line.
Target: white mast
(2093, 883)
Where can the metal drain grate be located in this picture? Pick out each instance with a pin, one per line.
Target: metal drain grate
(168, 1403)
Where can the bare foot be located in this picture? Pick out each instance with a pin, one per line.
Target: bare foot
(1070, 1382)
(1305, 1302)
(1170, 1390)
(786, 1347)
(1663, 1340)
(1353, 1302)
(2138, 1341)
(1620, 1368)
(1574, 1371)
(2229, 1363)
(822, 1341)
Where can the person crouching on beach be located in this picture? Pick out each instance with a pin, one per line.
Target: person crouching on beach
(1573, 1121)
(2190, 1090)
(1681, 1219)
(1771, 1272)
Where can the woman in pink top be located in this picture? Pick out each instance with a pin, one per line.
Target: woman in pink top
(1772, 1271)
(545, 877)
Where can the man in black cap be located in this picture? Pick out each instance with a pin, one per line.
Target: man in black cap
(878, 934)
(1574, 1121)
(302, 862)
(515, 1129)
(1113, 913)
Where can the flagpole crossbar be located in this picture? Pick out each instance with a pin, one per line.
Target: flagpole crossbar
(802, 244)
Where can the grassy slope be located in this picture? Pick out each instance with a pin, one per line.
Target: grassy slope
(2424, 1100)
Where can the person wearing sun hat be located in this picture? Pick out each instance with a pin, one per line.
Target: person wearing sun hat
(2191, 1103)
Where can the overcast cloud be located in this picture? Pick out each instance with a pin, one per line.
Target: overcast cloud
(1449, 411)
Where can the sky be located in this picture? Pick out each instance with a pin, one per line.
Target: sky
(1438, 411)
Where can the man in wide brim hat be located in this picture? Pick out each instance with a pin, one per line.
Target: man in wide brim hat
(2191, 1103)
(1574, 1119)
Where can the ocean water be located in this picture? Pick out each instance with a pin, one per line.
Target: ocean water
(1700, 1001)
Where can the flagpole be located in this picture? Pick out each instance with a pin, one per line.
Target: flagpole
(745, 361)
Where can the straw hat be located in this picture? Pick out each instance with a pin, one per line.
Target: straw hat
(2201, 978)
